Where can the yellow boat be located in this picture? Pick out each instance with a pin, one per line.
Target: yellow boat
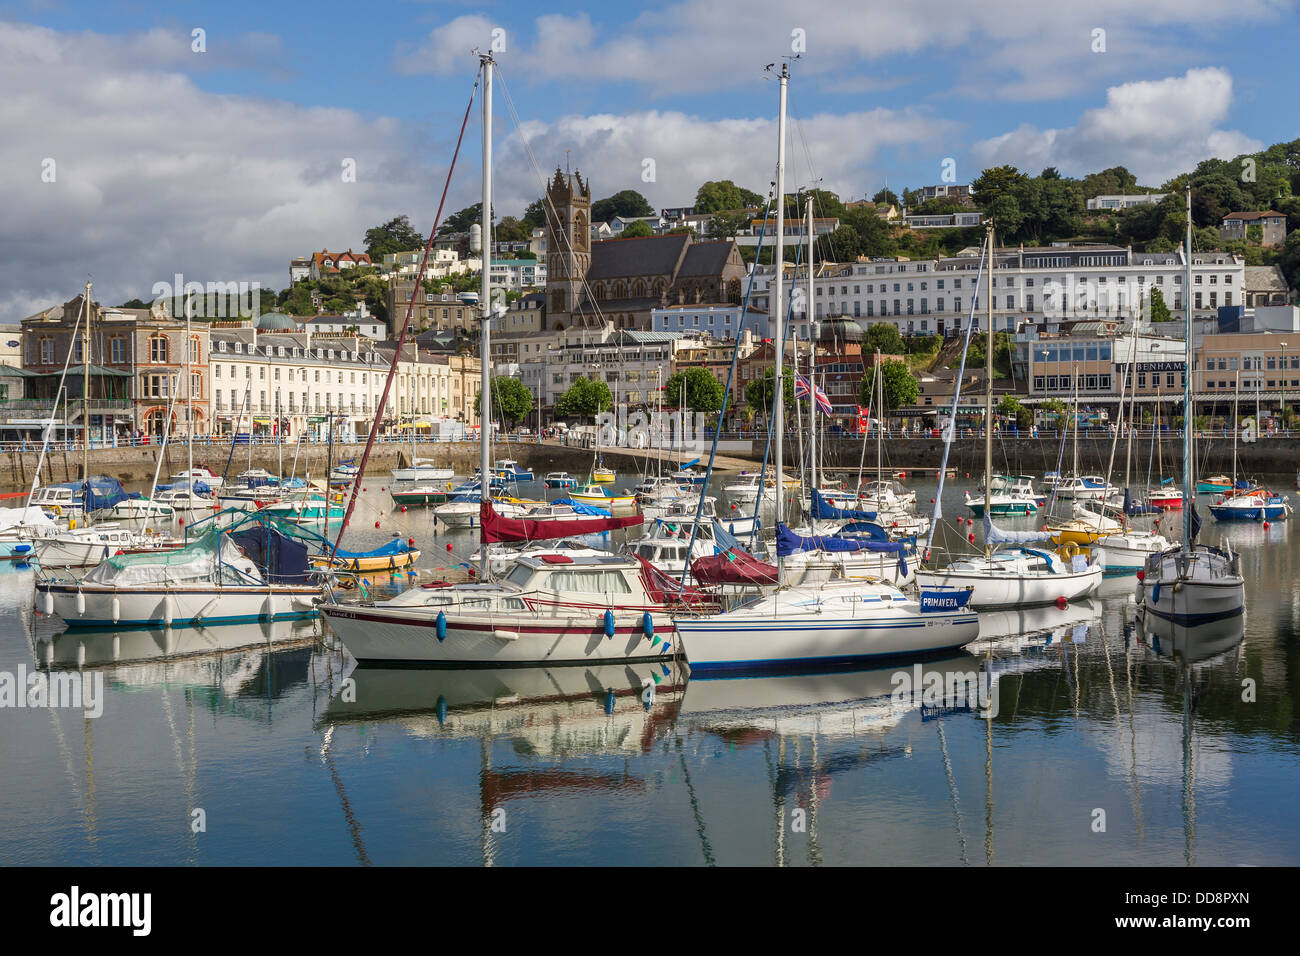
(1076, 532)
(602, 476)
(382, 559)
(594, 494)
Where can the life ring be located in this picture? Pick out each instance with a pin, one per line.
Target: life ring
(1068, 550)
(58, 510)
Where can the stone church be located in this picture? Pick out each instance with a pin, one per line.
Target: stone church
(622, 280)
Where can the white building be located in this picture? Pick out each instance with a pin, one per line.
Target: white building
(296, 383)
(1124, 202)
(1043, 285)
(516, 275)
(716, 321)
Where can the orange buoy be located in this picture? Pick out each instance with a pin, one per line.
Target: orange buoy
(1062, 603)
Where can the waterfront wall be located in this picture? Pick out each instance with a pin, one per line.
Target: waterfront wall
(1267, 456)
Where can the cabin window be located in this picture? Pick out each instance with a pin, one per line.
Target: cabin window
(589, 582)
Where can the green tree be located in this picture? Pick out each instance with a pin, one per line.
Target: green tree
(585, 398)
(898, 382)
(1116, 181)
(511, 400)
(1156, 308)
(885, 338)
(510, 229)
(704, 392)
(625, 202)
(886, 197)
(535, 214)
(994, 183)
(723, 194)
(396, 235)
(461, 220)
(636, 230)
(1010, 407)
(134, 304)
(727, 225)
(759, 392)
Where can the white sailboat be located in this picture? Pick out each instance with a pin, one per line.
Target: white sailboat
(1194, 583)
(818, 625)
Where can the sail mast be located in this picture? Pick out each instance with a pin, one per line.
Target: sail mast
(85, 399)
(988, 387)
(778, 316)
(485, 294)
(812, 360)
(1188, 464)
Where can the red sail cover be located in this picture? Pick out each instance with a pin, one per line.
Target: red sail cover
(499, 528)
(733, 567)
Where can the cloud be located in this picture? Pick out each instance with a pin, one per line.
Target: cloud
(687, 150)
(1157, 128)
(1006, 48)
(154, 176)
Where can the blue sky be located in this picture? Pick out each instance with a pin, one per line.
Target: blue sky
(243, 139)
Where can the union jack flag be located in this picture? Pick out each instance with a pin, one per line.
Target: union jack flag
(801, 390)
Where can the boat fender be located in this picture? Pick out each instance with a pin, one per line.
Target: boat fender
(81, 604)
(169, 610)
(609, 623)
(116, 609)
(440, 626)
(58, 510)
(1155, 593)
(1062, 602)
(49, 602)
(647, 626)
(501, 635)
(72, 524)
(610, 701)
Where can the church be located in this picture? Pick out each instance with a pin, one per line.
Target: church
(621, 280)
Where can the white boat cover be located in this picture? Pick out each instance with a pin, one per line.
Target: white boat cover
(32, 517)
(199, 561)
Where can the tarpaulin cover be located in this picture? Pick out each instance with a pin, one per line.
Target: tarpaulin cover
(104, 492)
(788, 543)
(32, 517)
(280, 559)
(823, 509)
(391, 549)
(582, 509)
(733, 566)
(663, 589)
(496, 528)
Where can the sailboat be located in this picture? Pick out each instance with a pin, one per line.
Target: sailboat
(818, 625)
(1245, 502)
(1193, 583)
(1022, 576)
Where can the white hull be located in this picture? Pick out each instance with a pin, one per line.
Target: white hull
(1211, 590)
(1014, 589)
(394, 635)
(85, 551)
(422, 473)
(86, 605)
(846, 627)
(820, 567)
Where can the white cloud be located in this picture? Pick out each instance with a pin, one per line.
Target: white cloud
(1019, 49)
(1156, 128)
(155, 176)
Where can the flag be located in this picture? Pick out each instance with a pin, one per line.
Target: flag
(801, 390)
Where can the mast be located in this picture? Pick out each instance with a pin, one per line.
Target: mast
(1132, 408)
(1236, 410)
(812, 358)
(189, 398)
(85, 399)
(1188, 463)
(880, 417)
(988, 388)
(778, 316)
(485, 296)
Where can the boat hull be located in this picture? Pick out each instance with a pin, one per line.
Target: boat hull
(378, 635)
(149, 607)
(733, 643)
(1014, 590)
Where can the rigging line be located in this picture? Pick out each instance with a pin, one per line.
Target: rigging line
(726, 395)
(49, 428)
(401, 338)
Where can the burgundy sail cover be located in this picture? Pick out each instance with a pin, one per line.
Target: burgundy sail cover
(499, 528)
(733, 567)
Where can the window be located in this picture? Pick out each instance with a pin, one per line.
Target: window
(47, 351)
(117, 350)
(158, 349)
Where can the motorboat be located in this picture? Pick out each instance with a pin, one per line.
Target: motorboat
(421, 493)
(511, 470)
(547, 609)
(561, 480)
(600, 497)
(1126, 552)
(423, 469)
(204, 475)
(1193, 585)
(84, 547)
(1084, 488)
(1251, 504)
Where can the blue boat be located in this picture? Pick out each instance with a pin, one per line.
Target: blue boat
(510, 470)
(1257, 505)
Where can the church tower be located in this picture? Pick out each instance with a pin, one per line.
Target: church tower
(568, 246)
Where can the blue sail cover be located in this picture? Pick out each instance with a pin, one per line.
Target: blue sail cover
(788, 543)
(724, 540)
(869, 530)
(821, 508)
(1132, 508)
(391, 549)
(582, 509)
(103, 492)
(995, 535)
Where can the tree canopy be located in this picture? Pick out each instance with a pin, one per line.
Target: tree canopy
(720, 195)
(636, 230)
(511, 400)
(625, 202)
(396, 235)
(585, 398)
(884, 337)
(898, 382)
(759, 392)
(704, 393)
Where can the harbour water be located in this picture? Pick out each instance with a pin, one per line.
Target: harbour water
(1086, 740)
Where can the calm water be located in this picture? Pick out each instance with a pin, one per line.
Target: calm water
(572, 765)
